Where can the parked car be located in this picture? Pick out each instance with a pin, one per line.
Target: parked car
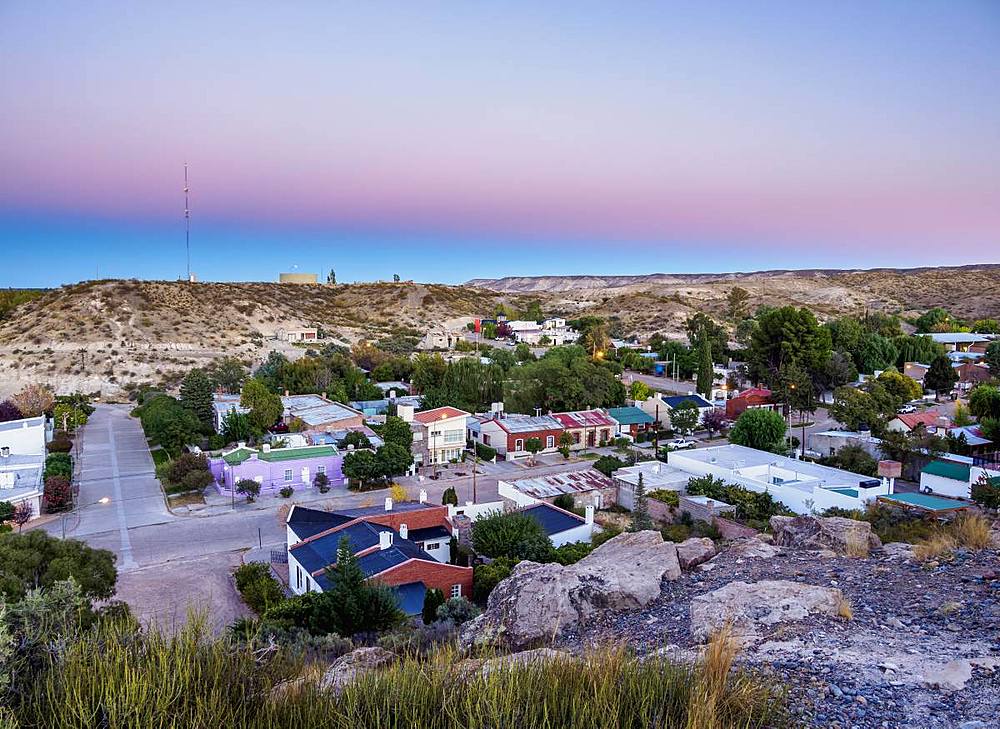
(679, 444)
(906, 409)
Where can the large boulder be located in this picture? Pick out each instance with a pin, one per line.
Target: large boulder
(692, 552)
(753, 548)
(353, 666)
(844, 536)
(748, 606)
(538, 601)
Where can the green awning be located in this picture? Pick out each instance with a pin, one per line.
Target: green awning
(926, 502)
(948, 469)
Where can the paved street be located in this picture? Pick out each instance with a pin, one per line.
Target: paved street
(660, 384)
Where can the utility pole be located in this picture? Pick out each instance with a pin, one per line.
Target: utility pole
(187, 223)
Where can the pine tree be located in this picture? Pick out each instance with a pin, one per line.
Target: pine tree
(640, 509)
(705, 372)
(941, 376)
(196, 395)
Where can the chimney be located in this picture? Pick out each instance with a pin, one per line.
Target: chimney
(405, 412)
(403, 531)
(5, 451)
(286, 393)
(384, 540)
(241, 444)
(324, 395)
(266, 447)
(589, 514)
(423, 496)
(392, 394)
(388, 503)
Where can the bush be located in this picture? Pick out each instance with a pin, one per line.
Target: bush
(60, 443)
(666, 496)
(322, 482)
(572, 553)
(565, 501)
(198, 480)
(512, 535)
(750, 505)
(185, 464)
(433, 599)
(62, 468)
(457, 610)
(985, 493)
(609, 464)
(487, 576)
(676, 533)
(249, 488)
(286, 492)
(58, 493)
(257, 586)
(485, 452)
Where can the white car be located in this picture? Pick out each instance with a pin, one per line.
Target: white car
(906, 409)
(679, 444)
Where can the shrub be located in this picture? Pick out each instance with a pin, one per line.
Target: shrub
(286, 492)
(198, 480)
(60, 467)
(986, 493)
(457, 610)
(60, 443)
(433, 599)
(185, 464)
(258, 587)
(322, 482)
(487, 576)
(398, 493)
(58, 493)
(751, 506)
(485, 452)
(512, 534)
(609, 464)
(675, 533)
(572, 552)
(666, 496)
(249, 488)
(450, 496)
(6, 511)
(937, 546)
(565, 501)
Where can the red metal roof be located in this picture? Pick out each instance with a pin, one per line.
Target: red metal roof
(927, 419)
(443, 413)
(584, 419)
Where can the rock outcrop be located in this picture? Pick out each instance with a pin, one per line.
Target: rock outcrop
(694, 551)
(753, 548)
(748, 606)
(843, 536)
(353, 666)
(538, 601)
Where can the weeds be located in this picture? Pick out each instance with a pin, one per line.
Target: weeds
(971, 531)
(844, 608)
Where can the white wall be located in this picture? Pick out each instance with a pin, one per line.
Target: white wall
(24, 437)
(582, 533)
(944, 486)
(477, 511)
(309, 583)
(443, 551)
(507, 491)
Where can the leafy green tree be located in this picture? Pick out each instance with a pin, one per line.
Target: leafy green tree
(609, 464)
(565, 378)
(265, 407)
(760, 429)
(875, 352)
(392, 459)
(248, 488)
(915, 348)
(857, 409)
(533, 446)
(362, 467)
(513, 535)
(701, 327)
(236, 427)
(941, 376)
(855, 459)
(450, 496)
(706, 374)
(784, 337)
(168, 423)
(839, 370)
(935, 320)
(269, 371)
(986, 326)
(684, 417)
(899, 386)
(397, 431)
(640, 520)
(640, 391)
(522, 353)
(35, 559)
(196, 396)
(433, 599)
(845, 333)
(992, 358)
(6, 511)
(737, 304)
(984, 401)
(226, 374)
(485, 577)
(355, 439)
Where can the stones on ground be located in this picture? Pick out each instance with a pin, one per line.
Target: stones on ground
(751, 606)
(538, 601)
(753, 548)
(354, 665)
(900, 551)
(694, 551)
(953, 675)
(471, 667)
(844, 536)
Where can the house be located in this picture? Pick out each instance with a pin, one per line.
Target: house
(754, 397)
(916, 371)
(827, 442)
(655, 476)
(631, 420)
(441, 338)
(562, 527)
(930, 420)
(588, 488)
(958, 341)
(550, 331)
(391, 389)
(588, 428)
(308, 334)
(973, 436)
(373, 408)
(276, 468)
(804, 487)
(656, 406)
(508, 434)
(318, 412)
(22, 462)
(404, 546)
(947, 478)
(971, 374)
(703, 405)
(438, 434)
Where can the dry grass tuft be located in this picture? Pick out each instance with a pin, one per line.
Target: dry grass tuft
(855, 545)
(971, 531)
(844, 608)
(717, 662)
(939, 546)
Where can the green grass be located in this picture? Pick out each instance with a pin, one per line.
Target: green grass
(118, 676)
(160, 456)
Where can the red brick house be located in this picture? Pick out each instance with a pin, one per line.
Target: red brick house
(589, 428)
(508, 434)
(754, 397)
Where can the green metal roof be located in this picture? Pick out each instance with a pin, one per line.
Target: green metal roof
(630, 416)
(948, 469)
(927, 502)
(236, 457)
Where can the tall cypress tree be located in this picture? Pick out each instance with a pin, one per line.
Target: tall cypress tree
(196, 395)
(705, 372)
(640, 509)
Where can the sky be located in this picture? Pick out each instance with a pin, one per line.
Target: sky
(450, 140)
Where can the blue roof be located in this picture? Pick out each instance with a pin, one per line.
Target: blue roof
(674, 400)
(383, 559)
(411, 597)
(551, 518)
(430, 533)
(308, 522)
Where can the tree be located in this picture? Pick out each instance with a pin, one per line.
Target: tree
(839, 370)
(992, 358)
(986, 492)
(450, 496)
(68, 417)
(249, 488)
(322, 482)
(331, 278)
(761, 429)
(961, 416)
(875, 352)
(934, 319)
(533, 446)
(699, 328)
(784, 337)
(855, 459)
(35, 559)
(684, 418)
(23, 513)
(593, 334)
(640, 520)
(984, 401)
(226, 374)
(737, 304)
(9, 411)
(392, 460)
(58, 493)
(608, 465)
(433, 599)
(513, 534)
(714, 421)
(196, 396)
(355, 439)
(397, 431)
(168, 423)
(639, 391)
(858, 410)
(916, 348)
(941, 376)
(6, 511)
(265, 407)
(900, 386)
(236, 426)
(34, 400)
(522, 353)
(706, 374)
(362, 467)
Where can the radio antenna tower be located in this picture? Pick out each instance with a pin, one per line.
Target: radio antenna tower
(187, 223)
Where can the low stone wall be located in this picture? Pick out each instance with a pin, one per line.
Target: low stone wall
(732, 530)
(661, 511)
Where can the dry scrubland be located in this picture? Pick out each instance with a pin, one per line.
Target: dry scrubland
(106, 335)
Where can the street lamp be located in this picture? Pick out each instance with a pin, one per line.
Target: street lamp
(101, 501)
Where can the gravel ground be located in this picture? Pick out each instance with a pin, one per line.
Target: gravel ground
(874, 670)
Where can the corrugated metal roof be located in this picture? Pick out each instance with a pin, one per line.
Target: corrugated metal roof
(584, 419)
(630, 416)
(573, 482)
(528, 423)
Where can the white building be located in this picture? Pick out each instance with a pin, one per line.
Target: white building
(22, 462)
(553, 330)
(438, 434)
(656, 476)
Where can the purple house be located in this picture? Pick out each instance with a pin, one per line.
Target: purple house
(275, 468)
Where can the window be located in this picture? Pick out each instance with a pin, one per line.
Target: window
(519, 444)
(288, 474)
(321, 469)
(486, 439)
(550, 441)
(298, 577)
(576, 437)
(431, 546)
(454, 436)
(456, 590)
